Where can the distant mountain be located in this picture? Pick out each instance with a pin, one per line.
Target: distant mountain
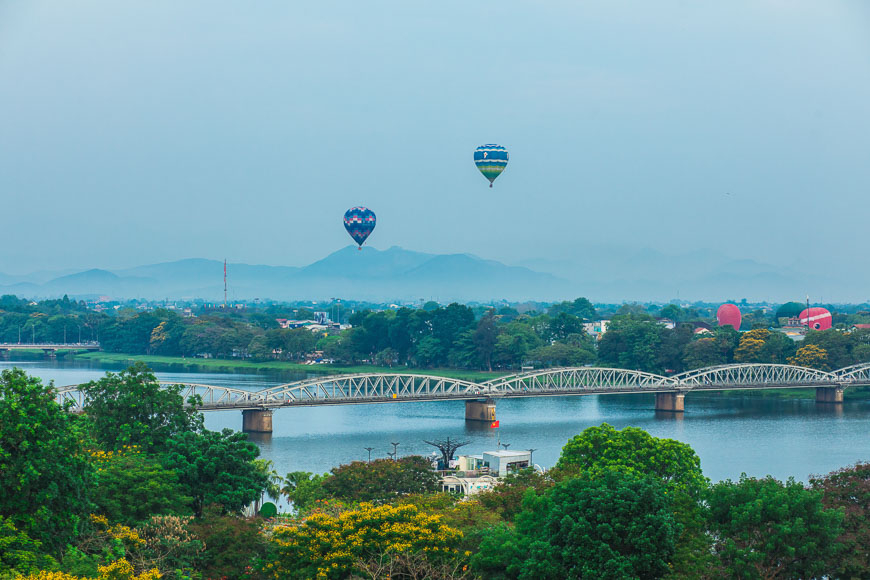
(602, 273)
(370, 274)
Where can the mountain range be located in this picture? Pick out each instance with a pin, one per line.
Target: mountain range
(604, 274)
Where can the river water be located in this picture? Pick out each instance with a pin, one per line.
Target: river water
(731, 434)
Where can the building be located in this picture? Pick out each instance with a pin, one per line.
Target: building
(498, 463)
(596, 329)
(467, 486)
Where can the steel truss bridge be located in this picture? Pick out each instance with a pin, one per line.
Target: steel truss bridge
(398, 387)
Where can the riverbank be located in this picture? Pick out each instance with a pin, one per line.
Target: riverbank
(199, 365)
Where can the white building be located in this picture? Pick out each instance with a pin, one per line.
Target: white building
(497, 463)
(467, 486)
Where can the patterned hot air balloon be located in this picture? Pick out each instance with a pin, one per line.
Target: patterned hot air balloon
(491, 160)
(359, 223)
(729, 315)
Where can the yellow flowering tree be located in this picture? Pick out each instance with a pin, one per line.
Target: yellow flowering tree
(332, 547)
(810, 355)
(118, 570)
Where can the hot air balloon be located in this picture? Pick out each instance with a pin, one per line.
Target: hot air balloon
(359, 223)
(816, 318)
(491, 160)
(729, 315)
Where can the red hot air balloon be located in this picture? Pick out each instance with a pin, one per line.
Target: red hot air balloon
(729, 315)
(818, 318)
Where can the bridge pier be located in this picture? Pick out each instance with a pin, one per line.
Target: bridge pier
(480, 410)
(257, 420)
(673, 402)
(829, 395)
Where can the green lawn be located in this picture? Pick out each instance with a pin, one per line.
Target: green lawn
(171, 363)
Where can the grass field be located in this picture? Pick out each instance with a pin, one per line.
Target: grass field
(179, 364)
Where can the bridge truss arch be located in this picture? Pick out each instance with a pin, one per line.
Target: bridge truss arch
(856, 374)
(574, 380)
(754, 374)
(369, 388)
(212, 396)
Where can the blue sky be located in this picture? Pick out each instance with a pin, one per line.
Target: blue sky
(133, 133)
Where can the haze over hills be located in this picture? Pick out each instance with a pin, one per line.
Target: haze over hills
(396, 274)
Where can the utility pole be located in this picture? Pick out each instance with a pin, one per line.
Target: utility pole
(225, 283)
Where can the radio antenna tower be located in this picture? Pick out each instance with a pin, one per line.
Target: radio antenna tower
(225, 283)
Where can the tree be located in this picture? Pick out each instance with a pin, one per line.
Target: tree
(132, 408)
(811, 356)
(751, 346)
(304, 488)
(45, 473)
(506, 498)
(485, 336)
(559, 354)
(381, 480)
(132, 487)
(632, 341)
(563, 325)
(704, 352)
(332, 547)
(600, 449)
(233, 546)
(216, 468)
(581, 308)
(614, 525)
(19, 553)
(848, 489)
(768, 529)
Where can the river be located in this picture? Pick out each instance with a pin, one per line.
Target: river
(731, 434)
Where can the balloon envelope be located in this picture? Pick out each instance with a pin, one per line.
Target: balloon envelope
(491, 160)
(818, 318)
(359, 223)
(729, 315)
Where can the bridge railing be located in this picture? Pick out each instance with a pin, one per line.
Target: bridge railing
(377, 387)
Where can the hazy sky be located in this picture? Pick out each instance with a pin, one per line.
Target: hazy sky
(137, 132)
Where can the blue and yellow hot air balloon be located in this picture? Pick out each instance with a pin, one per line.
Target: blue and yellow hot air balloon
(359, 223)
(491, 160)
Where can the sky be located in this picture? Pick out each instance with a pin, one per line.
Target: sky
(135, 133)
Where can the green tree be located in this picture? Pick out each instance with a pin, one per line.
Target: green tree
(506, 498)
(132, 408)
(19, 553)
(581, 308)
(704, 352)
(768, 529)
(381, 480)
(485, 336)
(600, 449)
(632, 341)
(132, 487)
(304, 488)
(45, 473)
(615, 525)
(848, 489)
(216, 468)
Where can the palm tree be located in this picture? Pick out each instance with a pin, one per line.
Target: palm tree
(273, 482)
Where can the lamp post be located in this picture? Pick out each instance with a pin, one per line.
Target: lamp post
(395, 451)
(369, 449)
(531, 463)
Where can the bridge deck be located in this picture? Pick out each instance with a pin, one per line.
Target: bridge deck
(396, 387)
